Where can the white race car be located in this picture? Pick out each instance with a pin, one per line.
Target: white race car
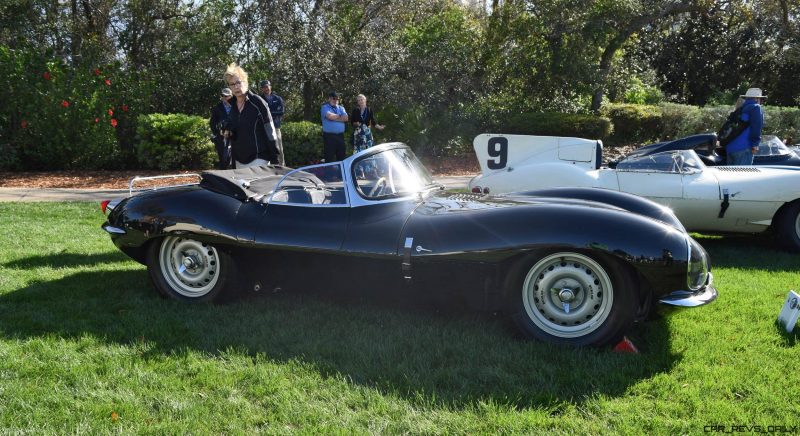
(723, 199)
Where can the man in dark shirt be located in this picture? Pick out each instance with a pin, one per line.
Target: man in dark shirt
(276, 109)
(219, 114)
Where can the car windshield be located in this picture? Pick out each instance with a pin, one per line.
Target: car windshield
(683, 161)
(391, 173)
(771, 145)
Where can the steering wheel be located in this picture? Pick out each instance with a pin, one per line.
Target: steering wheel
(380, 186)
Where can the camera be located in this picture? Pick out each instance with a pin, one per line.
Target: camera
(223, 125)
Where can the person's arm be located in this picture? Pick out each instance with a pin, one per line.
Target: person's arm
(756, 124)
(374, 121)
(213, 121)
(335, 116)
(279, 108)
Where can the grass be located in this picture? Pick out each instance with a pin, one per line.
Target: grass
(86, 346)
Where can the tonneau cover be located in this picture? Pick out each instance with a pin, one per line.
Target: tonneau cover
(246, 184)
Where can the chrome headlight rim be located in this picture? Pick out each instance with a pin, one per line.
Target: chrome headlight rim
(696, 280)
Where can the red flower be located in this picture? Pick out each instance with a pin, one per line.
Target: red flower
(108, 82)
(113, 123)
(24, 124)
(110, 113)
(97, 71)
(124, 108)
(64, 103)
(46, 75)
(96, 120)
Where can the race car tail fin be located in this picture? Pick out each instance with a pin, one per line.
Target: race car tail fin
(499, 152)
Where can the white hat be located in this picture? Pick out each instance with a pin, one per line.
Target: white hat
(753, 93)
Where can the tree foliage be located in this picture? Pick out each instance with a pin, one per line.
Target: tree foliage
(435, 69)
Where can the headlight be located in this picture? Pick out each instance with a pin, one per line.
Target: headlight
(697, 269)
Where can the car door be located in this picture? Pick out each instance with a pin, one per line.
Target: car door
(307, 211)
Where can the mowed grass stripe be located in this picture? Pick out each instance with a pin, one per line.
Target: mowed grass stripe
(87, 346)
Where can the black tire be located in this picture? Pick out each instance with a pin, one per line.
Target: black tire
(787, 227)
(575, 299)
(185, 269)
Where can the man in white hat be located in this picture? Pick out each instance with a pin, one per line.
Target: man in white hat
(740, 151)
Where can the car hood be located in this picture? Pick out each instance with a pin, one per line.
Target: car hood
(759, 183)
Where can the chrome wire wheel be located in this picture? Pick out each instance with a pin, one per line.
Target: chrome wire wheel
(190, 268)
(567, 295)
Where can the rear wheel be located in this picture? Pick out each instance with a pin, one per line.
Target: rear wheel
(190, 270)
(787, 227)
(573, 298)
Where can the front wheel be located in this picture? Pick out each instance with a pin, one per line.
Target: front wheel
(572, 298)
(787, 227)
(190, 270)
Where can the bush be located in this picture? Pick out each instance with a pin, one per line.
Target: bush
(174, 141)
(438, 133)
(680, 120)
(302, 143)
(62, 117)
(557, 124)
(783, 122)
(633, 123)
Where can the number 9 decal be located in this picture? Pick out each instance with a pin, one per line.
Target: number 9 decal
(498, 147)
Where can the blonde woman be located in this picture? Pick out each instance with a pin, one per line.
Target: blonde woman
(363, 119)
(252, 132)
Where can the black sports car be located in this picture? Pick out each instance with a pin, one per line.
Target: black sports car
(771, 150)
(573, 265)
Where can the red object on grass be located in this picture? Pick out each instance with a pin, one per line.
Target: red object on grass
(113, 123)
(97, 71)
(110, 112)
(64, 103)
(46, 75)
(124, 108)
(24, 124)
(108, 82)
(97, 120)
(626, 346)
(104, 205)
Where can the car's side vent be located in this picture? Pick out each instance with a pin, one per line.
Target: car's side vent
(739, 169)
(464, 197)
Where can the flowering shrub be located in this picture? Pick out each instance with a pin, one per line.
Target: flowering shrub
(55, 116)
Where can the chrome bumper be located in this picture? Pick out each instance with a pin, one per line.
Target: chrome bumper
(692, 299)
(113, 230)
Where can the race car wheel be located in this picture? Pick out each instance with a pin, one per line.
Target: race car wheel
(787, 227)
(190, 270)
(575, 299)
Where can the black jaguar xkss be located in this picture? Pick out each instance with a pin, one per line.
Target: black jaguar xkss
(574, 266)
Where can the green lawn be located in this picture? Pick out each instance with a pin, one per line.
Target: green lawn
(87, 347)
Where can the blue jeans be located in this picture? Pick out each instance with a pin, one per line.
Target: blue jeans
(744, 157)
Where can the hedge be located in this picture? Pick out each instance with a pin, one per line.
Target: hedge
(558, 124)
(302, 143)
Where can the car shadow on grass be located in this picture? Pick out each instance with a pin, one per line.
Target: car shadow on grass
(67, 260)
(458, 359)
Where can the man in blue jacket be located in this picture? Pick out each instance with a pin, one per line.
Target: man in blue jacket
(740, 151)
(276, 109)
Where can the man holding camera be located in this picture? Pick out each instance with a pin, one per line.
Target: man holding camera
(219, 117)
